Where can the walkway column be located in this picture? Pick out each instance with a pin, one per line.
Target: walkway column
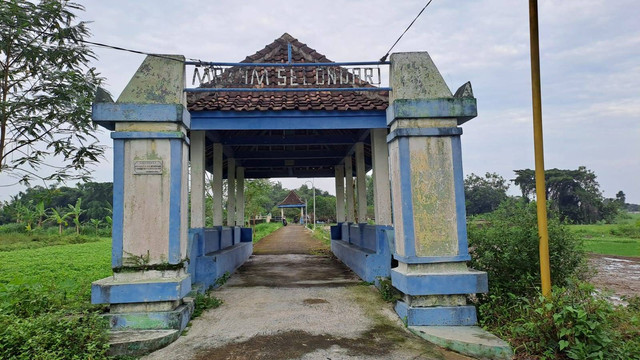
(197, 179)
(361, 181)
(348, 173)
(381, 189)
(150, 192)
(428, 194)
(240, 196)
(231, 192)
(216, 184)
(340, 216)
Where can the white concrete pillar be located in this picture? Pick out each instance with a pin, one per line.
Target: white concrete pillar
(303, 219)
(231, 192)
(281, 213)
(348, 173)
(197, 179)
(340, 215)
(216, 185)
(381, 184)
(361, 182)
(240, 196)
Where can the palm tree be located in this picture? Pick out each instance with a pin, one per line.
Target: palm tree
(75, 212)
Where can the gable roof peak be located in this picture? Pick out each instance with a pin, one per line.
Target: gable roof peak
(287, 37)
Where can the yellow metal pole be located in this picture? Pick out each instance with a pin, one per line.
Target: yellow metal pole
(543, 233)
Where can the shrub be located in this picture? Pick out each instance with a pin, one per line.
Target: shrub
(505, 245)
(572, 324)
(53, 336)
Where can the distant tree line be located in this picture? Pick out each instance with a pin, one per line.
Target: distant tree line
(574, 194)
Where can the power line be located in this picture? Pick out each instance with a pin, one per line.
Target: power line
(130, 50)
(384, 58)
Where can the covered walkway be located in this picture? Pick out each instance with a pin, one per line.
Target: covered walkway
(290, 304)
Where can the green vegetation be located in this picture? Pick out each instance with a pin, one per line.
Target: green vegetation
(45, 310)
(264, 229)
(575, 322)
(621, 238)
(322, 233)
(204, 302)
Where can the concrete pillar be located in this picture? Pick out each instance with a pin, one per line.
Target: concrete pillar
(281, 213)
(428, 194)
(381, 189)
(197, 179)
(340, 215)
(231, 192)
(150, 192)
(348, 173)
(240, 196)
(361, 181)
(303, 219)
(216, 184)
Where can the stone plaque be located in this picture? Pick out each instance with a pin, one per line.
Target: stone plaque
(147, 167)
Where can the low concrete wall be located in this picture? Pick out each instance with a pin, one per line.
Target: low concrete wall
(363, 248)
(216, 251)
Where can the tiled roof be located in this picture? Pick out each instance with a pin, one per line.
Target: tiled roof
(291, 199)
(277, 52)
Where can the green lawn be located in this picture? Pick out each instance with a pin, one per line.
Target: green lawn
(64, 272)
(612, 239)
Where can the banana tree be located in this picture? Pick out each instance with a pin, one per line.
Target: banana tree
(96, 223)
(40, 213)
(59, 218)
(74, 213)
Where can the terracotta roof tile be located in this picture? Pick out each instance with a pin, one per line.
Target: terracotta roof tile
(291, 199)
(274, 53)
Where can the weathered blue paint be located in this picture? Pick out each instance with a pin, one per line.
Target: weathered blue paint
(175, 319)
(213, 266)
(407, 197)
(288, 119)
(371, 261)
(299, 89)
(292, 206)
(226, 237)
(431, 259)
(468, 282)
(355, 237)
(289, 51)
(127, 135)
(236, 235)
(408, 132)
(126, 293)
(463, 109)
(306, 64)
(175, 202)
(107, 114)
(436, 316)
(118, 204)
(461, 212)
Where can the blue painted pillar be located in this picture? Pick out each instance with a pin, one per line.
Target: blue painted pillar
(150, 213)
(428, 194)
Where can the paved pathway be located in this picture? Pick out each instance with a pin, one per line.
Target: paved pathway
(296, 305)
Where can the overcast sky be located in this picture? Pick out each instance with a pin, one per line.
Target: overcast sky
(590, 59)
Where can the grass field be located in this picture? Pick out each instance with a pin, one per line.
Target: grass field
(264, 229)
(622, 238)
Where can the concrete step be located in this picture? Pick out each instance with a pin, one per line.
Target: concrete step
(140, 342)
(467, 340)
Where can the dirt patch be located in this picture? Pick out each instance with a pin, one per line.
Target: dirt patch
(314, 301)
(293, 271)
(295, 344)
(618, 274)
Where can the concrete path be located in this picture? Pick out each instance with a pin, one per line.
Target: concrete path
(297, 305)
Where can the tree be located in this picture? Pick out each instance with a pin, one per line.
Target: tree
(75, 211)
(256, 196)
(483, 195)
(621, 198)
(46, 90)
(59, 218)
(574, 194)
